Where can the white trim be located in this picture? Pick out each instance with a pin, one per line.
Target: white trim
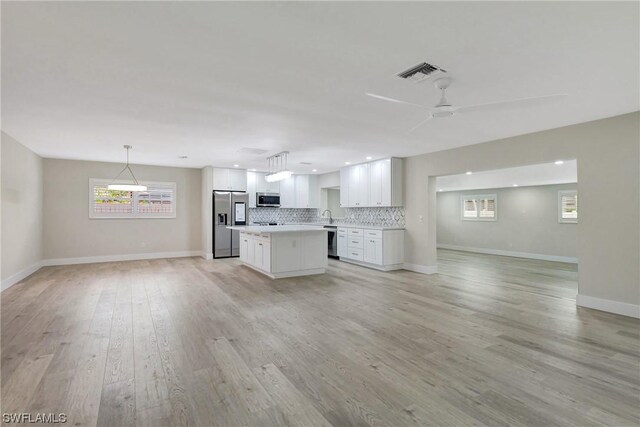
(477, 198)
(616, 307)
(562, 193)
(295, 273)
(93, 182)
(114, 258)
(379, 267)
(206, 256)
(556, 258)
(424, 269)
(19, 276)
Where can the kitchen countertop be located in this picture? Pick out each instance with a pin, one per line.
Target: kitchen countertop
(368, 227)
(276, 228)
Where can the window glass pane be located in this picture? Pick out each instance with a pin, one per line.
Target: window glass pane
(569, 206)
(487, 208)
(155, 201)
(112, 201)
(470, 208)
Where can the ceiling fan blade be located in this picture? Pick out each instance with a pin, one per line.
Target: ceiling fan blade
(397, 101)
(476, 107)
(420, 124)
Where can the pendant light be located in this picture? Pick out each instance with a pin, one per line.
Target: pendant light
(127, 187)
(278, 167)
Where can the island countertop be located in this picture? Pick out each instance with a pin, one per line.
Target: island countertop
(276, 228)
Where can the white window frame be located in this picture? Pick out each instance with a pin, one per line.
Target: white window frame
(134, 214)
(477, 198)
(561, 194)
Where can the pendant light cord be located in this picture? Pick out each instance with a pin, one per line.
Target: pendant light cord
(127, 147)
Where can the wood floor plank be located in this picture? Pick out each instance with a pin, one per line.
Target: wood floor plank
(489, 341)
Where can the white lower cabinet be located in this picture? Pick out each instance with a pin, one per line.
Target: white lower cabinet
(373, 250)
(255, 250)
(381, 249)
(342, 245)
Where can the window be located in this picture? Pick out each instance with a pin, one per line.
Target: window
(157, 202)
(480, 208)
(568, 206)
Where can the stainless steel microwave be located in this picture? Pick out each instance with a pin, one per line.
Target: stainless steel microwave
(268, 200)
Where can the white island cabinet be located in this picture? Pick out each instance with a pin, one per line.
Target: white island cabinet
(284, 251)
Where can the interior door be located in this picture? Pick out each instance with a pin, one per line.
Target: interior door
(221, 220)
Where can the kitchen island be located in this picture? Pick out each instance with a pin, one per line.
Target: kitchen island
(284, 250)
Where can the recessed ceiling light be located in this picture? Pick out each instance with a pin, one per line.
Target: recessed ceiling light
(440, 189)
(314, 170)
(236, 166)
(468, 172)
(347, 163)
(559, 162)
(515, 185)
(254, 169)
(369, 157)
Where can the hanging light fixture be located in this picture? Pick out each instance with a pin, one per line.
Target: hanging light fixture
(278, 167)
(127, 187)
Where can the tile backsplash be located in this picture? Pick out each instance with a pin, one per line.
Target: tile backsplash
(379, 217)
(282, 215)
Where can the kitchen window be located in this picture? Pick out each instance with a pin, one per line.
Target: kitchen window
(568, 206)
(159, 201)
(479, 207)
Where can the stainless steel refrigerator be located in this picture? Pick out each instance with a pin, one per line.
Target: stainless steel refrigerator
(229, 208)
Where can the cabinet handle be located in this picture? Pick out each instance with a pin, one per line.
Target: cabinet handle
(353, 253)
(259, 244)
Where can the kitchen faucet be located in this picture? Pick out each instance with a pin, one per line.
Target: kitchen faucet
(330, 219)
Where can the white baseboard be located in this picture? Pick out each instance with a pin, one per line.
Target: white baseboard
(608, 305)
(424, 269)
(206, 256)
(572, 260)
(390, 267)
(113, 258)
(20, 275)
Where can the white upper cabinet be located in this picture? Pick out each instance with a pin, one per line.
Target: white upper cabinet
(344, 187)
(373, 184)
(300, 191)
(288, 193)
(229, 179)
(357, 185)
(307, 191)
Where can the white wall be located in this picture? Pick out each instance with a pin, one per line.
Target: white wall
(70, 234)
(329, 180)
(608, 155)
(21, 195)
(527, 223)
(333, 203)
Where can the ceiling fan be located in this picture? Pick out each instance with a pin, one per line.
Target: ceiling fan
(445, 109)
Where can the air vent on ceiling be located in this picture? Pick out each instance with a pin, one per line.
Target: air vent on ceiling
(252, 151)
(305, 163)
(420, 72)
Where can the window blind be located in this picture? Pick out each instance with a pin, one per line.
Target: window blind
(157, 202)
(480, 207)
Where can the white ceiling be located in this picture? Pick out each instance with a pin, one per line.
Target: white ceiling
(521, 176)
(204, 79)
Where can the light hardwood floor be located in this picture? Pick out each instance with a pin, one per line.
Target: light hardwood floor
(489, 341)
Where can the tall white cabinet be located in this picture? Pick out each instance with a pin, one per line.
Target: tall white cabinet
(372, 184)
